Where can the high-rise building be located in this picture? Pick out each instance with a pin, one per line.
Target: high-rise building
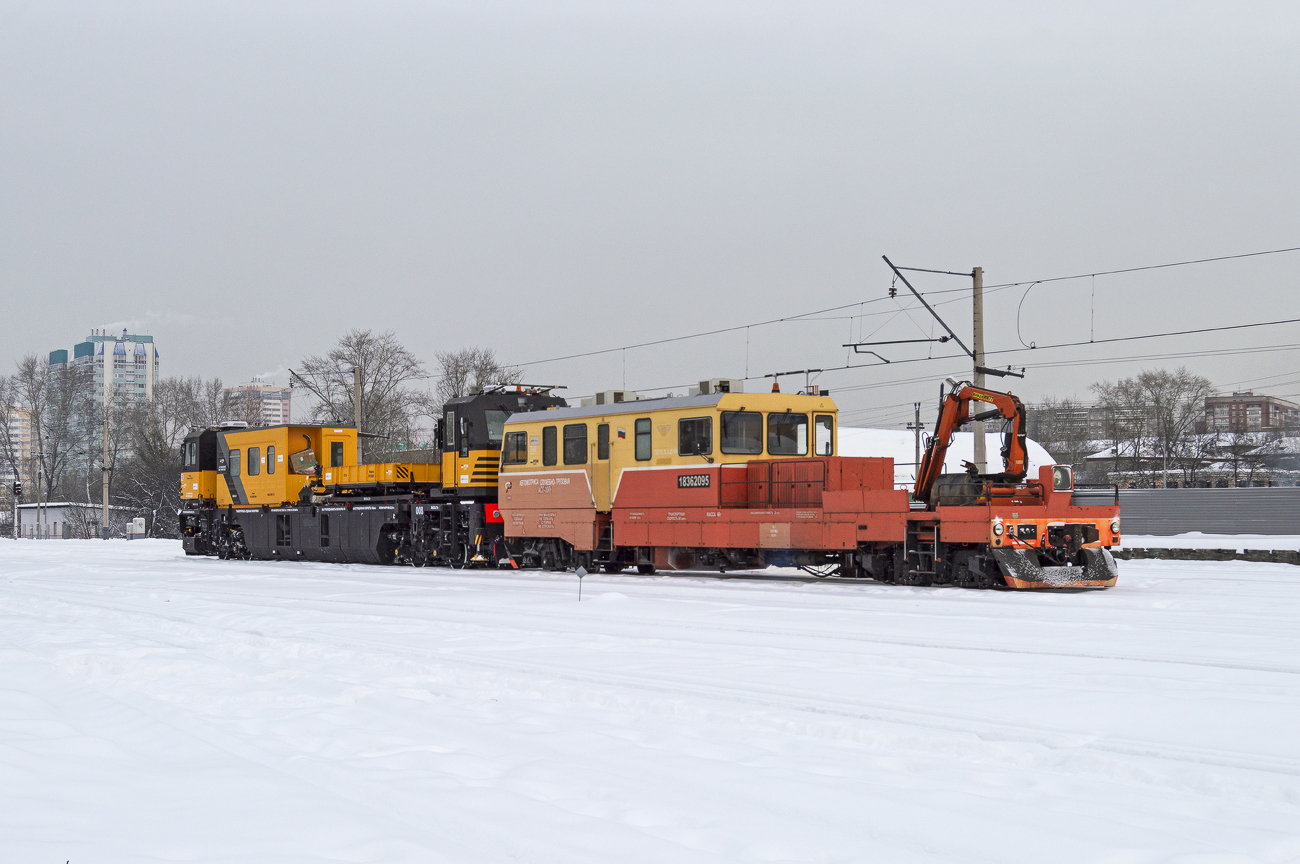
(258, 403)
(124, 366)
(23, 441)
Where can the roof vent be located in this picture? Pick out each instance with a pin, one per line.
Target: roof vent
(719, 385)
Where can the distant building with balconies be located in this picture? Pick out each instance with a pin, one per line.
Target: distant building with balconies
(125, 367)
(1245, 411)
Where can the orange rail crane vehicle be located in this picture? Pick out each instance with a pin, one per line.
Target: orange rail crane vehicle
(735, 481)
(1041, 533)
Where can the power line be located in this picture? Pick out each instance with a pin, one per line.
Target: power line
(1137, 269)
(1150, 336)
(805, 316)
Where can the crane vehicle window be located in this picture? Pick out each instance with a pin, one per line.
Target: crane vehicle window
(695, 436)
(742, 432)
(602, 441)
(824, 432)
(464, 435)
(191, 455)
(270, 460)
(643, 447)
(254, 461)
(496, 426)
(515, 451)
(575, 444)
(450, 428)
(336, 454)
(787, 434)
(232, 464)
(548, 445)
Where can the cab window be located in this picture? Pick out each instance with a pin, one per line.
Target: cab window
(191, 455)
(336, 454)
(496, 427)
(232, 464)
(270, 460)
(787, 434)
(742, 432)
(643, 446)
(602, 441)
(515, 451)
(824, 435)
(464, 435)
(254, 461)
(695, 436)
(548, 445)
(575, 444)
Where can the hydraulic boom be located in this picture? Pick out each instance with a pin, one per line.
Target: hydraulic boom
(956, 412)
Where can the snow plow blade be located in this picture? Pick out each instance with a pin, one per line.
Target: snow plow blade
(1021, 569)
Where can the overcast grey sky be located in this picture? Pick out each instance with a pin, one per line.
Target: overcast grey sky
(246, 181)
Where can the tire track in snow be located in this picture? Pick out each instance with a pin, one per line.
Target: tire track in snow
(909, 717)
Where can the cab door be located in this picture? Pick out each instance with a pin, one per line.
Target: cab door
(333, 456)
(598, 472)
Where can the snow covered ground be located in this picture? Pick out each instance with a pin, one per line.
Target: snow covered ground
(158, 708)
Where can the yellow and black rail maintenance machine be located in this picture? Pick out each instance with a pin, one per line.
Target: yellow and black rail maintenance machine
(300, 492)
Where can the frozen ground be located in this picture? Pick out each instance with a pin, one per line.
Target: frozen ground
(158, 708)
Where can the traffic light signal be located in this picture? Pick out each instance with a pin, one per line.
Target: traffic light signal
(18, 489)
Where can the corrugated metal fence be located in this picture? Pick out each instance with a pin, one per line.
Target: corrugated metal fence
(1273, 510)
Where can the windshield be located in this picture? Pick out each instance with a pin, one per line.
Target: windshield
(787, 434)
(496, 425)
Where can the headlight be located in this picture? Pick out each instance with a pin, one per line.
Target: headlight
(997, 528)
(1114, 527)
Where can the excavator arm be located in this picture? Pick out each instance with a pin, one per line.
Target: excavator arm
(954, 413)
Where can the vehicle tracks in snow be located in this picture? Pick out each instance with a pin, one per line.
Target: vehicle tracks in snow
(559, 681)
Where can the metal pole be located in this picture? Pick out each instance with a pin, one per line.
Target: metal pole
(977, 305)
(103, 513)
(356, 406)
(916, 426)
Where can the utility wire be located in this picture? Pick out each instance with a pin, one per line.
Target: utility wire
(987, 289)
(1137, 269)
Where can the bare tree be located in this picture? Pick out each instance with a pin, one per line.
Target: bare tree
(10, 446)
(148, 481)
(1125, 427)
(389, 404)
(58, 400)
(1152, 417)
(1061, 426)
(470, 370)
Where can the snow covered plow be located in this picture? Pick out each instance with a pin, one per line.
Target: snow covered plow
(1022, 568)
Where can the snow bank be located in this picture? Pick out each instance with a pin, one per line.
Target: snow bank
(1197, 540)
(159, 708)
